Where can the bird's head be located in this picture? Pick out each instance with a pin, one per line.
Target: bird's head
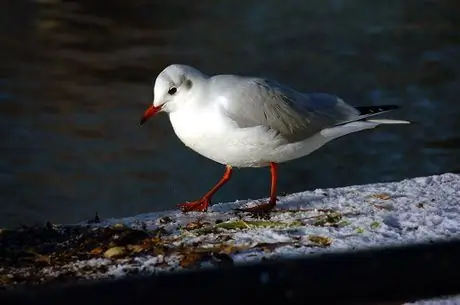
(171, 89)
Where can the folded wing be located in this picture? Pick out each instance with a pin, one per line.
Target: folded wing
(294, 115)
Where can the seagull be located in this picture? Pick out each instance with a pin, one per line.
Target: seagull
(241, 121)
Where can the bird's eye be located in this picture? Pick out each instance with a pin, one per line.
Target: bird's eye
(172, 90)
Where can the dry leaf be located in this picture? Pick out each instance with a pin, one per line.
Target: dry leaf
(37, 257)
(229, 249)
(137, 248)
(222, 248)
(383, 196)
(320, 240)
(115, 252)
(96, 251)
(4, 279)
(224, 237)
(154, 240)
(40, 258)
(160, 250)
(385, 206)
(328, 219)
(219, 253)
(191, 259)
(195, 225)
(269, 247)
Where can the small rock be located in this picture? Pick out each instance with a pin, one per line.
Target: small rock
(165, 220)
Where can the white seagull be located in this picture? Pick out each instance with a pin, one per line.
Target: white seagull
(252, 122)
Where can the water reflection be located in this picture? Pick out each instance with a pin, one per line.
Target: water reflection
(76, 75)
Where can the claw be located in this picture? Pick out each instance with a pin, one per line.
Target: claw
(198, 205)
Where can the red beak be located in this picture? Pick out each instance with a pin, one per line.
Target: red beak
(151, 111)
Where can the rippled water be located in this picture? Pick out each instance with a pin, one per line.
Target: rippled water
(75, 76)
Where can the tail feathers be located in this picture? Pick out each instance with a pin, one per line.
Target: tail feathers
(361, 122)
(388, 121)
(366, 112)
(351, 127)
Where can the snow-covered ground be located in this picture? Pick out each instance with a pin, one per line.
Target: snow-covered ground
(348, 218)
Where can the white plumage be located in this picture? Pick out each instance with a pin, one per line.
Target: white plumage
(253, 122)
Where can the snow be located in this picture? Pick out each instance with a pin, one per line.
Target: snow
(440, 301)
(321, 220)
(412, 210)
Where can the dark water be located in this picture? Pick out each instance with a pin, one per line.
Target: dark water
(75, 76)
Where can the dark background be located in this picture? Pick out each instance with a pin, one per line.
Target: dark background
(75, 76)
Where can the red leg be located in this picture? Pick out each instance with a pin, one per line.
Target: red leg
(267, 207)
(203, 204)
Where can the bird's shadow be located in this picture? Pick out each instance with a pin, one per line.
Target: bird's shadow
(286, 203)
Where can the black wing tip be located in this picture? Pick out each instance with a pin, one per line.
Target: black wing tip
(363, 110)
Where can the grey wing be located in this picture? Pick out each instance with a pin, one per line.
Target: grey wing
(296, 116)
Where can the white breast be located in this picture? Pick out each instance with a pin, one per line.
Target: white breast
(216, 137)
